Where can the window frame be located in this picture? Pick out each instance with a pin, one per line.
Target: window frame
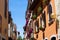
(50, 20)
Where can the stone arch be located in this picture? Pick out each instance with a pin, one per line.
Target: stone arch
(53, 37)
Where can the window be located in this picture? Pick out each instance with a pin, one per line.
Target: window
(37, 26)
(50, 20)
(9, 16)
(5, 13)
(49, 11)
(43, 20)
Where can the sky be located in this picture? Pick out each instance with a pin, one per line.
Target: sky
(18, 9)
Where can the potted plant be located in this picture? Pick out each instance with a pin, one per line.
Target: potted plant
(34, 16)
(40, 9)
(40, 28)
(44, 2)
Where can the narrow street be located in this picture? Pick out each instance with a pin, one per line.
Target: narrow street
(29, 19)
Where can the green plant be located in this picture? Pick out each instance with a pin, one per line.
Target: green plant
(34, 16)
(40, 28)
(19, 38)
(40, 9)
(44, 2)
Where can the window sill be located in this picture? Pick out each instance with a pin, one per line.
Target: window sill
(51, 22)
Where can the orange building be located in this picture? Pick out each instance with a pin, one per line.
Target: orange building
(45, 19)
(3, 19)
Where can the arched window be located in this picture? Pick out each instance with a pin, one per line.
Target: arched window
(53, 38)
(37, 26)
(50, 20)
(43, 20)
(49, 11)
(50, 8)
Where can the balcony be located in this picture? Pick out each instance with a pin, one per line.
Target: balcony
(35, 2)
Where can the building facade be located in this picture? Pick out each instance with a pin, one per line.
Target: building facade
(43, 18)
(3, 19)
(12, 32)
(6, 22)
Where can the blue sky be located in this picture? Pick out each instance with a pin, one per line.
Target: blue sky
(18, 9)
